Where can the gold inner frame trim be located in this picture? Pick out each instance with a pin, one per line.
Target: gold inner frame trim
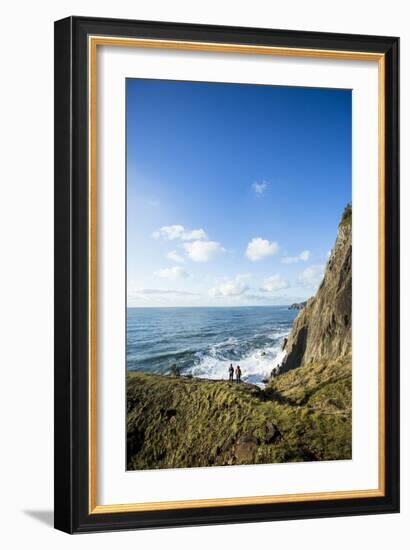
(93, 42)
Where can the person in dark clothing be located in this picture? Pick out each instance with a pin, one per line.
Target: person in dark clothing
(231, 373)
(275, 372)
(175, 370)
(238, 373)
(285, 341)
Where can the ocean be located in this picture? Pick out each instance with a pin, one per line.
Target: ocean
(203, 341)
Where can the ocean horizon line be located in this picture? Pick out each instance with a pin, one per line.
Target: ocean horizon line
(214, 307)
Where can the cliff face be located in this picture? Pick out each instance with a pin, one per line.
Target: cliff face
(322, 330)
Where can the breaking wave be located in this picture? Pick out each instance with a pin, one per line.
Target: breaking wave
(203, 342)
(256, 357)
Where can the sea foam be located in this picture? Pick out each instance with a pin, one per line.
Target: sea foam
(256, 362)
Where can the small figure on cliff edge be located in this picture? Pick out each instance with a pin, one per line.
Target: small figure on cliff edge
(231, 373)
(275, 372)
(285, 341)
(175, 370)
(238, 373)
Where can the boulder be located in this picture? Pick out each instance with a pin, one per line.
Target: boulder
(246, 447)
(271, 432)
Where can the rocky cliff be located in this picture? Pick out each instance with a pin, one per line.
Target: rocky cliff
(322, 330)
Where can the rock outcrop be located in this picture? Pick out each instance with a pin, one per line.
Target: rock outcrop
(299, 305)
(322, 329)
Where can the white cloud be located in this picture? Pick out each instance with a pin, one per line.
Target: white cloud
(259, 248)
(196, 244)
(195, 234)
(173, 232)
(160, 292)
(175, 257)
(260, 187)
(230, 287)
(302, 257)
(311, 277)
(169, 232)
(203, 251)
(176, 272)
(274, 283)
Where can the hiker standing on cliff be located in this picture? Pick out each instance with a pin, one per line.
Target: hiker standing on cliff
(275, 372)
(238, 373)
(285, 341)
(231, 373)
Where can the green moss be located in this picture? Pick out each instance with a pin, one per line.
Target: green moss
(304, 414)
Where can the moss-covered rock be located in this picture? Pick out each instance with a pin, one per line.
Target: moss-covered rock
(179, 422)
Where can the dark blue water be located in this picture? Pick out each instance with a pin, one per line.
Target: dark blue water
(204, 341)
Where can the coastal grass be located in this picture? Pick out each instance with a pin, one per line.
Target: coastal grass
(302, 415)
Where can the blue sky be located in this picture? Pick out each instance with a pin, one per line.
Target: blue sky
(234, 192)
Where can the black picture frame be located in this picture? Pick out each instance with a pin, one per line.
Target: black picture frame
(72, 276)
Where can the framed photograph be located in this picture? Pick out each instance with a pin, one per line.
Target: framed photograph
(226, 274)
